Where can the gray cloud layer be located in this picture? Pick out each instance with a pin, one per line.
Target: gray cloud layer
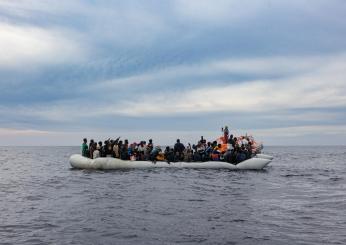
(85, 66)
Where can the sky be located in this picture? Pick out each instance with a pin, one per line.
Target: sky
(138, 69)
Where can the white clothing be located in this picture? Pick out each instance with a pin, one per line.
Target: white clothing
(96, 154)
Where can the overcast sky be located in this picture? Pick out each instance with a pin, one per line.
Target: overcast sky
(168, 69)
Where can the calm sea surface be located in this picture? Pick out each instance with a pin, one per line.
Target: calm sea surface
(300, 198)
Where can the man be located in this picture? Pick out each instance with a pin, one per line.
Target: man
(96, 153)
(102, 153)
(179, 149)
(141, 151)
(154, 153)
(169, 155)
(85, 152)
(148, 149)
(225, 134)
(91, 148)
(116, 150)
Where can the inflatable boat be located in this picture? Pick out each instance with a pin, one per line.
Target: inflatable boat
(107, 163)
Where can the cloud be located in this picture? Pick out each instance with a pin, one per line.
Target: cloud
(302, 85)
(28, 45)
(278, 66)
(171, 65)
(219, 11)
(21, 132)
(306, 89)
(118, 25)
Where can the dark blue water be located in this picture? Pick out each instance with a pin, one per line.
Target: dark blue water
(299, 199)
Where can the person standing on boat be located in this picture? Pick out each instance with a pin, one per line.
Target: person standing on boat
(124, 154)
(120, 146)
(85, 148)
(149, 147)
(116, 150)
(225, 134)
(230, 139)
(101, 149)
(91, 148)
(104, 149)
(96, 153)
(141, 151)
(179, 149)
(109, 149)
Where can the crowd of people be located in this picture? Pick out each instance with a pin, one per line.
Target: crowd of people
(227, 148)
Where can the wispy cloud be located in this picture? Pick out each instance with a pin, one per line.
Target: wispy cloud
(27, 45)
(216, 12)
(307, 89)
(304, 86)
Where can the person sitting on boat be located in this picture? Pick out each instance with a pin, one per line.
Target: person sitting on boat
(227, 156)
(208, 151)
(241, 154)
(154, 153)
(197, 157)
(240, 157)
(249, 150)
(169, 154)
(96, 153)
(200, 150)
(130, 151)
(234, 142)
(179, 150)
(85, 152)
(216, 153)
(188, 154)
(160, 156)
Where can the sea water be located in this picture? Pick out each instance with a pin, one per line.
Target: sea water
(300, 198)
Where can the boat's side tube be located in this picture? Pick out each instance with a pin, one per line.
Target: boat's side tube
(78, 161)
(253, 163)
(264, 156)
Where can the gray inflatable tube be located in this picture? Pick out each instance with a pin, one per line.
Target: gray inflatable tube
(264, 156)
(80, 162)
